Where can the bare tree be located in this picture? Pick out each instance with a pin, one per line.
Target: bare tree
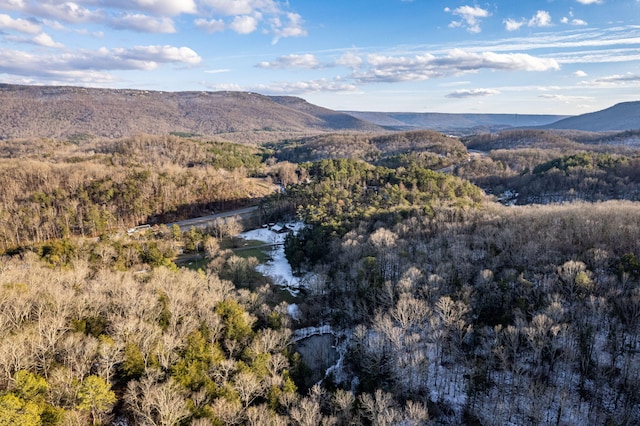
(156, 403)
(380, 408)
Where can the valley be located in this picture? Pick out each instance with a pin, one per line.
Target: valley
(429, 300)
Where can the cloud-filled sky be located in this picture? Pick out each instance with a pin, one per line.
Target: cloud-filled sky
(505, 56)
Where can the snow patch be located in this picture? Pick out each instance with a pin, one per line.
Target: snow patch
(278, 268)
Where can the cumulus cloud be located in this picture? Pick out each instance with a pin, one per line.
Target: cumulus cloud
(159, 54)
(470, 17)
(244, 24)
(574, 21)
(580, 74)
(350, 60)
(161, 7)
(66, 12)
(239, 7)
(210, 26)
(292, 61)
(45, 40)
(292, 27)
(273, 17)
(54, 25)
(590, 1)
(456, 62)
(94, 63)
(246, 16)
(143, 23)
(20, 25)
(542, 18)
(12, 4)
(513, 25)
(472, 93)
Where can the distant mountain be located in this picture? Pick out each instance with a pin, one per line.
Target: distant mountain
(454, 123)
(66, 112)
(622, 116)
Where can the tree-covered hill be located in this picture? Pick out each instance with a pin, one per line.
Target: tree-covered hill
(426, 148)
(67, 112)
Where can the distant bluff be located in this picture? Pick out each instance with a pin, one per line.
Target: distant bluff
(67, 112)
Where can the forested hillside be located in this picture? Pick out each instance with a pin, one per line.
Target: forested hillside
(58, 190)
(544, 167)
(426, 148)
(440, 305)
(75, 112)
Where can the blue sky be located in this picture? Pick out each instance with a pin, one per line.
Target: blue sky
(545, 57)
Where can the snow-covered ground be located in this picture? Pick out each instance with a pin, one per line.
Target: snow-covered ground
(278, 268)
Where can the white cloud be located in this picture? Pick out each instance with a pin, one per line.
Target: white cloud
(564, 98)
(244, 24)
(542, 18)
(66, 12)
(471, 17)
(617, 80)
(590, 1)
(288, 88)
(350, 60)
(580, 74)
(49, 68)
(54, 25)
(292, 61)
(598, 56)
(472, 93)
(224, 87)
(12, 4)
(165, 7)
(143, 23)
(302, 87)
(161, 54)
(156, 16)
(20, 25)
(292, 28)
(212, 26)
(575, 21)
(218, 71)
(45, 40)
(513, 25)
(239, 7)
(455, 62)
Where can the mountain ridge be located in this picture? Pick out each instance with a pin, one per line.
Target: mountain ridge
(619, 117)
(68, 111)
(454, 122)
